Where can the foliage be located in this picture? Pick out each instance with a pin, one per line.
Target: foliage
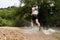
(55, 18)
(44, 15)
(8, 16)
(13, 16)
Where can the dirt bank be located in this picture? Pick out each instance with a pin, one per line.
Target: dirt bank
(15, 33)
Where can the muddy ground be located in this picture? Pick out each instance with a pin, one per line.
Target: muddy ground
(17, 33)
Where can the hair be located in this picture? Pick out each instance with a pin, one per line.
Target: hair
(34, 5)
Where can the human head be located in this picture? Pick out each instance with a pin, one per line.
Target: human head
(34, 5)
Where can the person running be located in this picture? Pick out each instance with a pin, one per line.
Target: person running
(34, 16)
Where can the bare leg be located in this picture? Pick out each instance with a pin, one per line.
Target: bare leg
(32, 23)
(38, 23)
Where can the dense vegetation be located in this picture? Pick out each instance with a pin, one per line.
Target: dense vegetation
(7, 16)
(13, 16)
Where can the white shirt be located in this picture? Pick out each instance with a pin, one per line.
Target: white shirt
(35, 11)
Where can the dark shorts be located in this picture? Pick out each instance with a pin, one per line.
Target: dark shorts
(33, 17)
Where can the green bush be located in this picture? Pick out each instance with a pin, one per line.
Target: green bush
(8, 16)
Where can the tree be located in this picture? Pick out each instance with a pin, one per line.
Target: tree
(52, 19)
